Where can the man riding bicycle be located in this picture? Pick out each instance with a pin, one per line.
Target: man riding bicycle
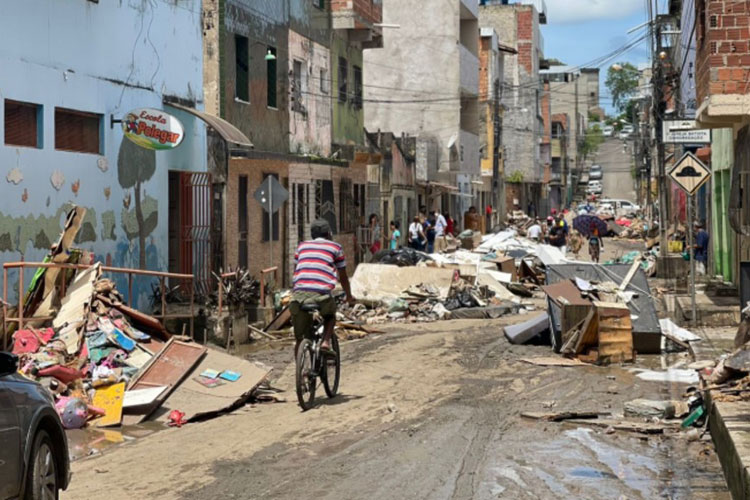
(318, 262)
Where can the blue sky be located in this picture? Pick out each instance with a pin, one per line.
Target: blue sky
(579, 31)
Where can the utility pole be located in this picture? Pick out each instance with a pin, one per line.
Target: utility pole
(496, 145)
(658, 89)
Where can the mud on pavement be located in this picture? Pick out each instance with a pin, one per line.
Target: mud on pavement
(433, 411)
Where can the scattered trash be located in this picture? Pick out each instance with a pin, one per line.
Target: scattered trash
(672, 375)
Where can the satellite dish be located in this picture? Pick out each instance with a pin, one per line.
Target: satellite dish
(452, 141)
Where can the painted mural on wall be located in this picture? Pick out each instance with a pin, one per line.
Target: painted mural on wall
(135, 166)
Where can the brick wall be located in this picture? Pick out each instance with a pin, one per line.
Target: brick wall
(293, 176)
(485, 55)
(525, 31)
(258, 250)
(723, 47)
(368, 10)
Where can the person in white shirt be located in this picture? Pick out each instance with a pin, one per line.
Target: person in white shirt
(416, 235)
(535, 231)
(440, 226)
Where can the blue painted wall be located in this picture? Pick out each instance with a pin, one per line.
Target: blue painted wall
(107, 58)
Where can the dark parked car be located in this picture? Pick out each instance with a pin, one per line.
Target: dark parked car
(34, 462)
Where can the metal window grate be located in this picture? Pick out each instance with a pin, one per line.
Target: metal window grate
(195, 229)
(77, 131)
(21, 124)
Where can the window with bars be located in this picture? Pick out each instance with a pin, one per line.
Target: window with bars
(343, 76)
(347, 208)
(242, 72)
(274, 220)
(23, 124)
(271, 78)
(357, 102)
(297, 87)
(78, 131)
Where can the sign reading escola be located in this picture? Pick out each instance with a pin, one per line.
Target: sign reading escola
(153, 129)
(690, 173)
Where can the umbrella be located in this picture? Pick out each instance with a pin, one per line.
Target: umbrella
(583, 223)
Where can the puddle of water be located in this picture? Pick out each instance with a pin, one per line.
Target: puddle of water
(588, 473)
(90, 441)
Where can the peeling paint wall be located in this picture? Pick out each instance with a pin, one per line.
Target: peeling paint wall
(310, 101)
(119, 56)
(348, 119)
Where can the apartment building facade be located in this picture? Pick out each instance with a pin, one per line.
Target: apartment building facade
(290, 76)
(424, 82)
(518, 26)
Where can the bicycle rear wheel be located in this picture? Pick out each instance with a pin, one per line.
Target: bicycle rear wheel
(331, 371)
(305, 375)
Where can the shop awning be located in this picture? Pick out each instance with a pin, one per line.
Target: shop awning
(439, 186)
(226, 130)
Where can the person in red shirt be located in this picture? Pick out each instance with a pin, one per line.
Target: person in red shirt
(449, 225)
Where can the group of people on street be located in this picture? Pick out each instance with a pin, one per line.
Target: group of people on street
(426, 232)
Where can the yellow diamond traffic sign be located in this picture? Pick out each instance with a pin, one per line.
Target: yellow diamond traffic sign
(690, 173)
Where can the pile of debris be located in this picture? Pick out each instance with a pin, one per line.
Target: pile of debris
(108, 364)
(389, 293)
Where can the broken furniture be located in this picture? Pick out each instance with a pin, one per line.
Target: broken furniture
(604, 337)
(646, 329)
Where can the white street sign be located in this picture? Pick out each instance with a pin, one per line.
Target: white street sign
(684, 132)
(690, 173)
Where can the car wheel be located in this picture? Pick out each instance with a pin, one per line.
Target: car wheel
(41, 482)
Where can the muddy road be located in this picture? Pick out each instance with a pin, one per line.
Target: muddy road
(426, 411)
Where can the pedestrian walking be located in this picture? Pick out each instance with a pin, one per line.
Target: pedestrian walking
(535, 231)
(441, 226)
(430, 231)
(375, 234)
(450, 225)
(701, 249)
(395, 235)
(595, 243)
(416, 234)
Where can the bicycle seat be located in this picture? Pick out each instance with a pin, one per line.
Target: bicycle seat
(310, 307)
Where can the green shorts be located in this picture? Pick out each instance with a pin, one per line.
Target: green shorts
(302, 320)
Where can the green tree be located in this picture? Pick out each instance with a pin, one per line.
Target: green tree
(622, 82)
(135, 166)
(594, 138)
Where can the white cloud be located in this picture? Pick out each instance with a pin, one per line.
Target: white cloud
(575, 11)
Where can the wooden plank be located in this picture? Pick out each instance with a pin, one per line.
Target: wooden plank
(142, 397)
(110, 400)
(168, 368)
(563, 415)
(78, 297)
(621, 425)
(631, 273)
(554, 361)
(170, 365)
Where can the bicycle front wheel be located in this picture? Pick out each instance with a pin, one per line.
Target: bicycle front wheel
(305, 375)
(332, 369)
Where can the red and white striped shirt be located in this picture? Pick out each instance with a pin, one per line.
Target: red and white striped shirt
(317, 263)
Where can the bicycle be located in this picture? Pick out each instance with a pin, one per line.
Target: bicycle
(312, 364)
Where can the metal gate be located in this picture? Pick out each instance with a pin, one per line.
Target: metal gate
(195, 229)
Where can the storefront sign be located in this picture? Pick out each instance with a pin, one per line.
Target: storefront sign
(684, 132)
(153, 129)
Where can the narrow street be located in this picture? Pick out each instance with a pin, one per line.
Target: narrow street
(427, 410)
(616, 161)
